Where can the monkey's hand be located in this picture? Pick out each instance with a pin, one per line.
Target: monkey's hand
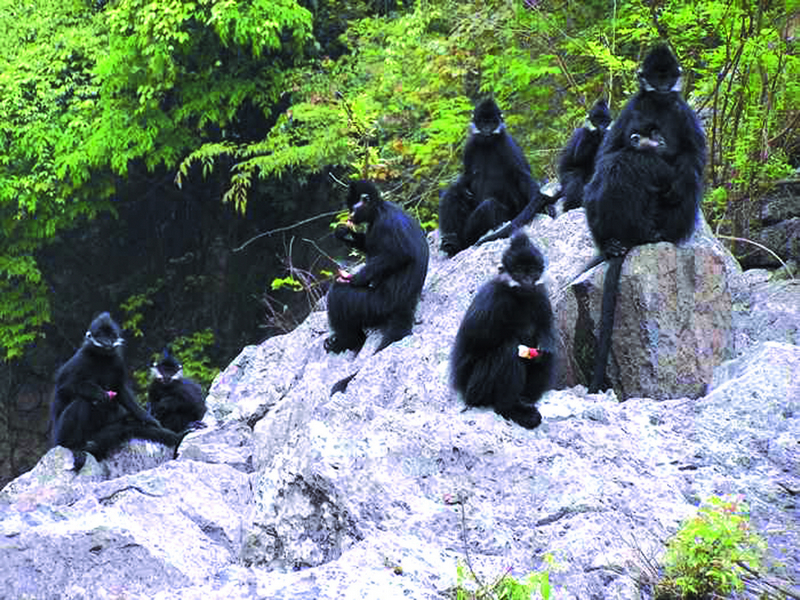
(613, 248)
(343, 276)
(529, 353)
(93, 392)
(344, 232)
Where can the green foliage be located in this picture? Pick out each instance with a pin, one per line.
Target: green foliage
(705, 557)
(748, 85)
(134, 308)
(279, 315)
(387, 110)
(396, 107)
(191, 351)
(197, 63)
(505, 587)
(44, 86)
(286, 283)
(86, 90)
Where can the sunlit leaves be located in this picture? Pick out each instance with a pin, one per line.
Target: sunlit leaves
(84, 91)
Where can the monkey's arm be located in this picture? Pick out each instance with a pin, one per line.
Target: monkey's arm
(346, 234)
(538, 201)
(82, 388)
(485, 326)
(378, 268)
(575, 152)
(395, 253)
(125, 398)
(616, 137)
(690, 161)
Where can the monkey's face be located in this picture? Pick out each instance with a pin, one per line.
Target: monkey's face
(660, 72)
(362, 200)
(103, 335)
(599, 116)
(523, 263)
(654, 142)
(526, 278)
(487, 120)
(363, 211)
(167, 370)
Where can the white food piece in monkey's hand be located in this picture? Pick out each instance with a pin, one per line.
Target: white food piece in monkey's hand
(524, 351)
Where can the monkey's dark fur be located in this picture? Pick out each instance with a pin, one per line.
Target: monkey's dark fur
(84, 416)
(384, 293)
(495, 186)
(175, 401)
(510, 310)
(647, 182)
(577, 159)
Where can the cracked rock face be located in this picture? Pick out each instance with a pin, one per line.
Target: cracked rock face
(379, 491)
(672, 324)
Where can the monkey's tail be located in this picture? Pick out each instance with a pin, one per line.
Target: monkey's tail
(341, 385)
(610, 289)
(537, 204)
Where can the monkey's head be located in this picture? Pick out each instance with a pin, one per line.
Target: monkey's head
(363, 200)
(103, 336)
(652, 141)
(522, 263)
(660, 72)
(487, 120)
(600, 116)
(167, 369)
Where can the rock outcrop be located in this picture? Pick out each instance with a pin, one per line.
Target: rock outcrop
(776, 228)
(377, 492)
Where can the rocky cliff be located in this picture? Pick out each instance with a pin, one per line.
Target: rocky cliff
(376, 493)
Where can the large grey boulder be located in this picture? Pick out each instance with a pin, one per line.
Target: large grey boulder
(764, 309)
(672, 324)
(290, 493)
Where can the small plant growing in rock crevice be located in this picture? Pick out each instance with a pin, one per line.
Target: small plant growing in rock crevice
(505, 587)
(712, 551)
(469, 586)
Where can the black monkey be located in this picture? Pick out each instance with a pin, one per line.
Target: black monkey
(495, 186)
(647, 182)
(576, 161)
(504, 353)
(175, 401)
(383, 294)
(93, 408)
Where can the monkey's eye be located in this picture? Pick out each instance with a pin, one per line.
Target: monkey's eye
(363, 198)
(635, 137)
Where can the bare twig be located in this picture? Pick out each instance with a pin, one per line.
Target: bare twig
(322, 252)
(337, 180)
(464, 539)
(287, 228)
(764, 248)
